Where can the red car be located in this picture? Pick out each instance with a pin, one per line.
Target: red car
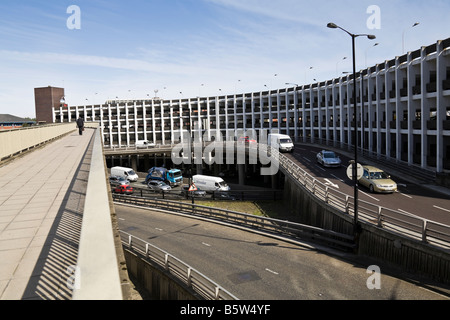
(124, 189)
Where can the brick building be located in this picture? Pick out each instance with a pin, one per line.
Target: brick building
(46, 99)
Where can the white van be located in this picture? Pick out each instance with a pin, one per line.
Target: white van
(144, 144)
(208, 183)
(284, 141)
(126, 173)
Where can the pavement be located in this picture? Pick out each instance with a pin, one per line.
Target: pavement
(42, 197)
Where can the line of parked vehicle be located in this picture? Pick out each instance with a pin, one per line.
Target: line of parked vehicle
(160, 179)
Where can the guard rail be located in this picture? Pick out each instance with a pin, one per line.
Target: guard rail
(201, 284)
(411, 225)
(272, 226)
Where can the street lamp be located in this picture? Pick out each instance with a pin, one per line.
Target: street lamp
(403, 36)
(355, 164)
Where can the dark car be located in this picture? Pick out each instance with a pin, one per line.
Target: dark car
(118, 181)
(197, 193)
(123, 189)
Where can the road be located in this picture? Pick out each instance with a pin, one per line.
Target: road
(410, 198)
(255, 267)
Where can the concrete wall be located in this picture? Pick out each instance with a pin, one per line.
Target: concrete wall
(19, 140)
(399, 251)
(158, 284)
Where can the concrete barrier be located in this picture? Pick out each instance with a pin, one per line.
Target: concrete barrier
(158, 284)
(97, 275)
(19, 140)
(16, 141)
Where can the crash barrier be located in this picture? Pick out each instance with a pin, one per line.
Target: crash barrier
(241, 195)
(200, 286)
(410, 225)
(280, 228)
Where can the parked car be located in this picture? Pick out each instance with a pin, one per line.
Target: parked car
(197, 193)
(328, 159)
(118, 181)
(158, 186)
(377, 180)
(123, 189)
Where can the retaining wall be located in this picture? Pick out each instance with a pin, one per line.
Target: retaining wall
(158, 284)
(399, 251)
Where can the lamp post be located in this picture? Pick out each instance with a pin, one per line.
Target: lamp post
(355, 164)
(403, 36)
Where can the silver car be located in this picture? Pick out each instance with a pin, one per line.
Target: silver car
(156, 185)
(328, 159)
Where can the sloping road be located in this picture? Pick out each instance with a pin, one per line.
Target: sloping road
(255, 267)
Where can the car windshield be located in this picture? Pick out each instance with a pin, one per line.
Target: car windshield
(285, 141)
(378, 175)
(223, 184)
(131, 173)
(329, 155)
(177, 174)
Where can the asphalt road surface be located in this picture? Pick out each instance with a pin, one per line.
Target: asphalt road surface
(410, 198)
(256, 267)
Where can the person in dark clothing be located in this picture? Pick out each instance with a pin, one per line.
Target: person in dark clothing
(80, 125)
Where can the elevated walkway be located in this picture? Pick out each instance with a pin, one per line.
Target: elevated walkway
(42, 201)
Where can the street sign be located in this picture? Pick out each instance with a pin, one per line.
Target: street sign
(192, 188)
(359, 171)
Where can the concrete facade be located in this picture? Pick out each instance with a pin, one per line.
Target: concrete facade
(405, 103)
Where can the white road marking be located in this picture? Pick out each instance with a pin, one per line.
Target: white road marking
(369, 196)
(271, 271)
(329, 183)
(338, 178)
(206, 244)
(122, 219)
(306, 159)
(405, 195)
(320, 167)
(159, 229)
(441, 208)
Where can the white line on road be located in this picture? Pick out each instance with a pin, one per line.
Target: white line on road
(206, 244)
(369, 196)
(320, 167)
(405, 195)
(122, 219)
(272, 271)
(329, 183)
(306, 159)
(159, 229)
(441, 208)
(338, 178)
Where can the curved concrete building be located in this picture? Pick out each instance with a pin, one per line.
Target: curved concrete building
(404, 103)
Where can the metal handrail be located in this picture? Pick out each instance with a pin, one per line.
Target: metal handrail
(408, 224)
(189, 276)
(272, 226)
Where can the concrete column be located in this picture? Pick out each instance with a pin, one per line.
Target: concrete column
(241, 173)
(274, 181)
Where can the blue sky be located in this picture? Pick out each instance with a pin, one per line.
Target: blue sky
(189, 48)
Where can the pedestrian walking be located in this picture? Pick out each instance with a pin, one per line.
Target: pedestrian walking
(80, 125)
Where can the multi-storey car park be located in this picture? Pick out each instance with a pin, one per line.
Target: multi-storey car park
(405, 103)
